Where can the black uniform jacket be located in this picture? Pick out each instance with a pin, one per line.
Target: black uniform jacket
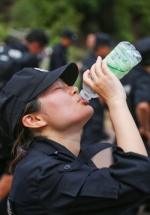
(137, 86)
(50, 180)
(59, 57)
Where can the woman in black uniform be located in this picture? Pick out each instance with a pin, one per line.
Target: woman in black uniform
(45, 114)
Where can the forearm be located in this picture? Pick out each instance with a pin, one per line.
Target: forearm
(106, 85)
(127, 134)
(143, 115)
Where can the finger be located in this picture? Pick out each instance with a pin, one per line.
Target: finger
(93, 72)
(86, 78)
(93, 67)
(105, 68)
(98, 66)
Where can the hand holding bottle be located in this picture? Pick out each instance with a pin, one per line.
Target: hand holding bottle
(104, 82)
(120, 61)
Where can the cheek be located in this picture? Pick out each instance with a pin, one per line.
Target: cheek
(60, 102)
(58, 106)
(61, 114)
(64, 110)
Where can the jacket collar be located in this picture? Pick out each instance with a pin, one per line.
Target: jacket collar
(50, 147)
(60, 152)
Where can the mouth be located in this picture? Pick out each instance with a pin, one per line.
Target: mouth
(83, 101)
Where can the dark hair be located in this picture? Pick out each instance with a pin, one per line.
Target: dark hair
(37, 35)
(23, 135)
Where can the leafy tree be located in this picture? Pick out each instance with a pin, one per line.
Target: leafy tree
(122, 19)
(51, 15)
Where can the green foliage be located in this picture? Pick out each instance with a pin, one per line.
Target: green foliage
(23, 15)
(141, 18)
(76, 54)
(132, 19)
(3, 31)
(48, 14)
(91, 12)
(122, 19)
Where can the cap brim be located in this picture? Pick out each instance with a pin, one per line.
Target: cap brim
(67, 73)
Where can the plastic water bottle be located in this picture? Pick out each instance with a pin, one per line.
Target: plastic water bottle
(120, 61)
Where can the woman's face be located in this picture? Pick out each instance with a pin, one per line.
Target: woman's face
(62, 107)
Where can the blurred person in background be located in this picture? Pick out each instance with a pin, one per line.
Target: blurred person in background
(15, 55)
(10, 40)
(137, 86)
(59, 55)
(90, 41)
(93, 130)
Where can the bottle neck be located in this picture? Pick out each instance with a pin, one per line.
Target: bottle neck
(85, 95)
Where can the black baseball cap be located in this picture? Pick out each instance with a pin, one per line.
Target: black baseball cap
(70, 35)
(103, 39)
(143, 46)
(26, 85)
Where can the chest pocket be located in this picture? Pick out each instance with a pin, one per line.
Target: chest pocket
(80, 179)
(91, 182)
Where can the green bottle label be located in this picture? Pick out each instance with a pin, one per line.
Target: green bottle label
(120, 62)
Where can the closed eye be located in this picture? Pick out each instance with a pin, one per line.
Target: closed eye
(58, 88)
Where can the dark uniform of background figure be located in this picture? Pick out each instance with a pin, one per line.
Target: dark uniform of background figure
(59, 56)
(93, 130)
(137, 87)
(15, 55)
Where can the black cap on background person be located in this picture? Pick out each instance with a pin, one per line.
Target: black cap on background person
(69, 34)
(103, 44)
(59, 56)
(103, 39)
(143, 46)
(23, 87)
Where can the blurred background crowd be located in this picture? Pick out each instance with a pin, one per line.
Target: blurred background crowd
(49, 34)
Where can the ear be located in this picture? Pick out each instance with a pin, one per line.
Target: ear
(33, 121)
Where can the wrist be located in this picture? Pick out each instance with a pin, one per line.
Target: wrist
(116, 104)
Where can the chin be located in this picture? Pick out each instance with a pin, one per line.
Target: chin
(89, 115)
(91, 111)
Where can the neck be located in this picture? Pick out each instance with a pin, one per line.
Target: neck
(71, 141)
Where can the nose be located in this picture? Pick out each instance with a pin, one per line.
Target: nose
(74, 90)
